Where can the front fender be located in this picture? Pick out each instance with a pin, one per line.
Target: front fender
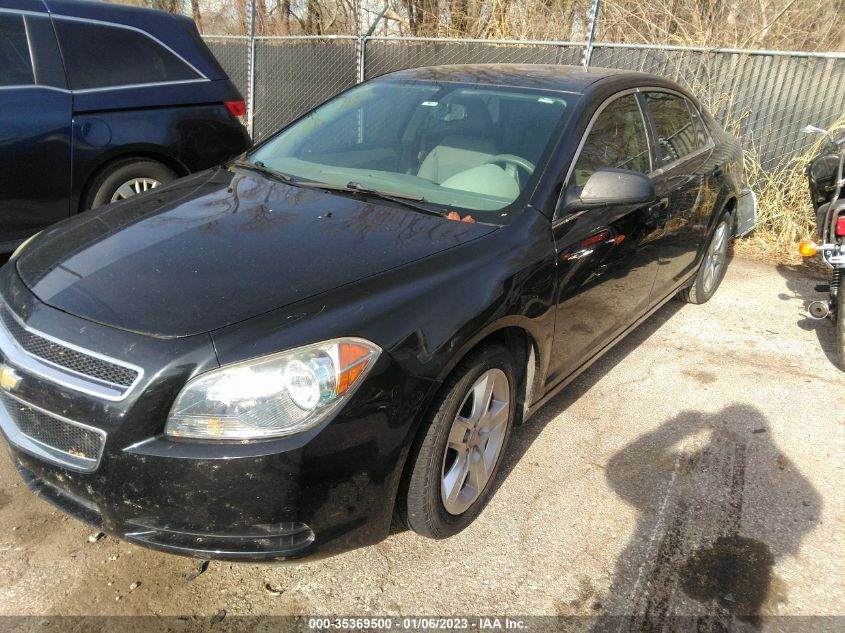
(426, 316)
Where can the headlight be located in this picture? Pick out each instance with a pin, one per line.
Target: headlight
(274, 395)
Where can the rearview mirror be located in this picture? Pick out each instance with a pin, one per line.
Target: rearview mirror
(609, 187)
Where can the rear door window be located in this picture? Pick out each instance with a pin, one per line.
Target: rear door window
(102, 56)
(680, 130)
(15, 61)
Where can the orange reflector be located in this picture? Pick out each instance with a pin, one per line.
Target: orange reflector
(348, 377)
(806, 248)
(350, 353)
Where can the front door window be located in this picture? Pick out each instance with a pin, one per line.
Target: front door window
(617, 139)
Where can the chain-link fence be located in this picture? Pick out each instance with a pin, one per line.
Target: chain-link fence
(292, 75)
(232, 51)
(386, 54)
(765, 97)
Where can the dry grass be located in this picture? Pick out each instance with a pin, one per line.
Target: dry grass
(785, 213)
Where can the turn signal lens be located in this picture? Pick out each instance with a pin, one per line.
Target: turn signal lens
(353, 360)
(806, 248)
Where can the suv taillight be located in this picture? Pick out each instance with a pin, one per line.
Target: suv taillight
(237, 109)
(840, 227)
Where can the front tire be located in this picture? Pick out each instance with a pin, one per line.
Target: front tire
(458, 453)
(126, 178)
(713, 265)
(839, 324)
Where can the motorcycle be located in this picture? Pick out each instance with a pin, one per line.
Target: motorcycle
(826, 182)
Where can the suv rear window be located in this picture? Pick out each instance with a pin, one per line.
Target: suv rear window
(15, 63)
(100, 56)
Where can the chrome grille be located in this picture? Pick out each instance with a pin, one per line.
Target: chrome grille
(66, 357)
(80, 447)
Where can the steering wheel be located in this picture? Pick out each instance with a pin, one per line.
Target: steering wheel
(513, 164)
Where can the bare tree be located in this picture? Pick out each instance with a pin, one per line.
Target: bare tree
(195, 9)
(809, 25)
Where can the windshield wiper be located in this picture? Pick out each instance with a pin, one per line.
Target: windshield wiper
(405, 199)
(262, 169)
(409, 200)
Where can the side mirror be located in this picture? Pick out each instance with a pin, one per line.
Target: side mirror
(609, 187)
(812, 129)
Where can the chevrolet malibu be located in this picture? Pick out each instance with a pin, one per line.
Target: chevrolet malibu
(273, 358)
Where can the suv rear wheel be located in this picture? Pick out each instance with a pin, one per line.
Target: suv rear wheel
(124, 179)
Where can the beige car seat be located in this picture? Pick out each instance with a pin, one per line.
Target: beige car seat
(467, 144)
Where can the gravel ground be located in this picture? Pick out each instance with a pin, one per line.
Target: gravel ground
(696, 469)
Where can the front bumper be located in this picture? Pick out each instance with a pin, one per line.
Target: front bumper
(328, 490)
(205, 524)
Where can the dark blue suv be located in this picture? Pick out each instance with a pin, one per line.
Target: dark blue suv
(100, 101)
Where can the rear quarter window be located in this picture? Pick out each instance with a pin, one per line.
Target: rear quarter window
(15, 62)
(102, 56)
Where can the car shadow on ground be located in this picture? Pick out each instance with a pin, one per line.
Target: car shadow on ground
(804, 286)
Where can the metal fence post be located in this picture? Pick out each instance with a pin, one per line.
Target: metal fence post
(593, 16)
(362, 43)
(360, 57)
(250, 104)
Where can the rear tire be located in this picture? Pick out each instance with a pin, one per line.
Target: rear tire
(125, 178)
(713, 264)
(459, 449)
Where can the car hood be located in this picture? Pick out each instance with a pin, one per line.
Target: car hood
(220, 247)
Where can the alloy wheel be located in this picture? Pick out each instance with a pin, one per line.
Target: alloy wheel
(134, 186)
(717, 255)
(475, 441)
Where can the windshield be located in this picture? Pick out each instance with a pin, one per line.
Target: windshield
(455, 146)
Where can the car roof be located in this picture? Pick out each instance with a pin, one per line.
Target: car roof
(542, 76)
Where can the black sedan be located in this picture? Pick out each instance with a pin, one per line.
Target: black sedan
(270, 359)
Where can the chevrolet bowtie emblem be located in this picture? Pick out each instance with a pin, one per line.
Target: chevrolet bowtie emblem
(9, 378)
